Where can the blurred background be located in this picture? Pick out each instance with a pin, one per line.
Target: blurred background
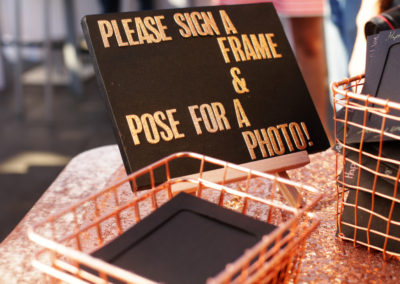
(50, 105)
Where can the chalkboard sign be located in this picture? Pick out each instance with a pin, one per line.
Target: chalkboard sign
(221, 81)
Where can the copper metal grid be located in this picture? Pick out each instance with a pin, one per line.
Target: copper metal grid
(347, 95)
(68, 237)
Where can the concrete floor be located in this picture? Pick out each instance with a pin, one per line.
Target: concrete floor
(33, 151)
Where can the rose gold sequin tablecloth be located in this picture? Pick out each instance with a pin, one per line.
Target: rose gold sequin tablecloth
(326, 260)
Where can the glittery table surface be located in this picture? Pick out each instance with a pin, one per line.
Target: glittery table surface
(326, 260)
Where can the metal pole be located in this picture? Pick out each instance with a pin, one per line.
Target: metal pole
(2, 75)
(48, 87)
(70, 53)
(18, 95)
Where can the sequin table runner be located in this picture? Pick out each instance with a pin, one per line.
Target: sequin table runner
(326, 260)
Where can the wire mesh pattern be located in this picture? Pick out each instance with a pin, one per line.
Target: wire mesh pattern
(68, 238)
(367, 167)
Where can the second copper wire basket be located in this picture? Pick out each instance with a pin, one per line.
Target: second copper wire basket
(368, 204)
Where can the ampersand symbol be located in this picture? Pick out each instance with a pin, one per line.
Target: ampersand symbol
(239, 84)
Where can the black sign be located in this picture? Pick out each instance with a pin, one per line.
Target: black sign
(221, 81)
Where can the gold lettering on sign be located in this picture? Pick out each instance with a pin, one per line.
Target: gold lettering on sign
(129, 31)
(209, 24)
(269, 141)
(145, 30)
(118, 34)
(276, 140)
(283, 129)
(196, 24)
(272, 46)
(196, 120)
(226, 21)
(251, 143)
(239, 84)
(261, 47)
(151, 132)
(166, 133)
(208, 117)
(135, 127)
(212, 117)
(150, 24)
(190, 23)
(248, 47)
(180, 21)
(161, 28)
(142, 33)
(174, 123)
(224, 49)
(196, 17)
(263, 140)
(236, 47)
(106, 31)
(240, 114)
(298, 136)
(219, 112)
(156, 127)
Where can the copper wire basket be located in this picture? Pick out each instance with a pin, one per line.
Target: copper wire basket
(68, 238)
(366, 226)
